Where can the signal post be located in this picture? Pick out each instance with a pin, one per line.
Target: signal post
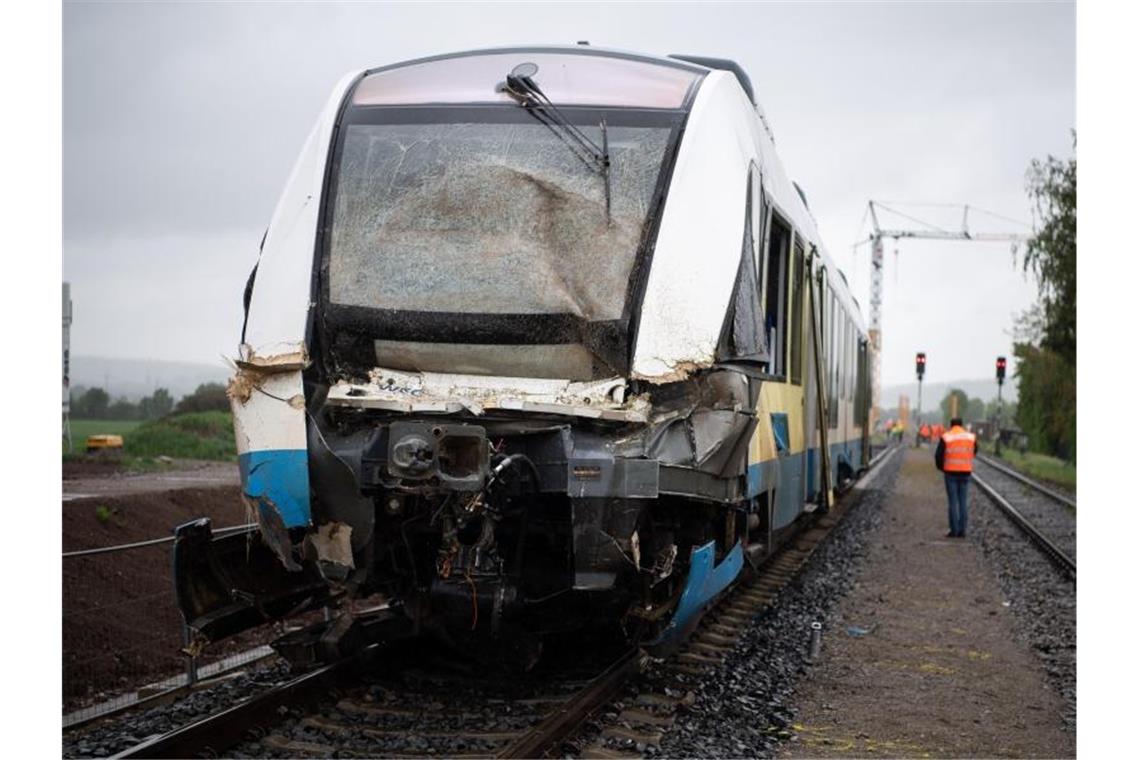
(919, 370)
(1000, 381)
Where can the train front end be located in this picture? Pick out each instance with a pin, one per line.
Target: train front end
(440, 423)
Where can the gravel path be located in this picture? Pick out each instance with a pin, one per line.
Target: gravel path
(927, 658)
(1043, 600)
(744, 708)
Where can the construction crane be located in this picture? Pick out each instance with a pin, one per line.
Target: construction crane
(928, 232)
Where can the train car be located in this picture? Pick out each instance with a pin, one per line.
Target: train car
(539, 340)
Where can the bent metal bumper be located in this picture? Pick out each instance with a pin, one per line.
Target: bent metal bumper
(230, 584)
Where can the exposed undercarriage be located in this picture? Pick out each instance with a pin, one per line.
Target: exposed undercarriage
(489, 526)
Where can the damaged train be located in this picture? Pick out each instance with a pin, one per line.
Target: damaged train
(539, 340)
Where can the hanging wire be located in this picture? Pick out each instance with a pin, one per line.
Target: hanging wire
(914, 219)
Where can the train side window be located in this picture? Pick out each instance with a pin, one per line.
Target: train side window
(797, 319)
(833, 374)
(775, 295)
(741, 338)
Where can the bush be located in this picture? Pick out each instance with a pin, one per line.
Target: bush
(208, 397)
(1047, 401)
(196, 435)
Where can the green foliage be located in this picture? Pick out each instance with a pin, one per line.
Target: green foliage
(95, 404)
(1052, 252)
(104, 513)
(205, 398)
(975, 411)
(1047, 334)
(963, 405)
(1008, 411)
(92, 405)
(158, 404)
(1047, 400)
(195, 435)
(1039, 466)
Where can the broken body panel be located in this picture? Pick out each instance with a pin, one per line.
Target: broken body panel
(470, 395)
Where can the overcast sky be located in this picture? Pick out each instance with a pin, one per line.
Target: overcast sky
(181, 123)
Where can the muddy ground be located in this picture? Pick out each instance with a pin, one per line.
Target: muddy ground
(101, 476)
(922, 658)
(121, 628)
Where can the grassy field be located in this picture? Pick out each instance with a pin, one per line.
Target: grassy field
(80, 429)
(195, 435)
(1040, 466)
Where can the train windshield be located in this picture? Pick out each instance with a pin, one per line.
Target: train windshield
(488, 218)
(447, 235)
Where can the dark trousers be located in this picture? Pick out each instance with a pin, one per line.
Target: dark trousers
(957, 487)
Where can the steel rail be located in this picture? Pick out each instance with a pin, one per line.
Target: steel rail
(546, 736)
(1027, 481)
(1058, 557)
(216, 733)
(542, 739)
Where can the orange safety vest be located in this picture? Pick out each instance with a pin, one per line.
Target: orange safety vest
(958, 455)
(924, 431)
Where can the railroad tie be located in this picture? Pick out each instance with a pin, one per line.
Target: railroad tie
(297, 748)
(644, 717)
(623, 734)
(598, 752)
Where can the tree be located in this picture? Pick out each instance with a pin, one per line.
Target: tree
(1046, 348)
(1047, 400)
(1051, 253)
(205, 398)
(975, 411)
(122, 409)
(962, 408)
(159, 404)
(92, 405)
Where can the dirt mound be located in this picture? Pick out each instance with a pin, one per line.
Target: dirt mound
(121, 628)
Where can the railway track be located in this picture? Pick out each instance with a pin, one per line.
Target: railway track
(418, 714)
(1035, 485)
(1046, 517)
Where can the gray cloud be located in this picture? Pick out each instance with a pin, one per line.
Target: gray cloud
(181, 122)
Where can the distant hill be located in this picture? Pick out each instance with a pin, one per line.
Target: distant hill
(933, 393)
(135, 378)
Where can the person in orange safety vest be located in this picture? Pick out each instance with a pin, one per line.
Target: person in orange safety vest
(924, 433)
(955, 457)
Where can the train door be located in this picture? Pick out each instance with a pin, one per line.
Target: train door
(796, 365)
(778, 316)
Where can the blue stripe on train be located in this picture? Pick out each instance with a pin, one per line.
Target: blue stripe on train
(789, 469)
(279, 477)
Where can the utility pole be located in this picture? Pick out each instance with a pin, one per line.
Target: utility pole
(931, 232)
(67, 315)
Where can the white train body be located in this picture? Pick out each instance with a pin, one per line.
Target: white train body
(451, 314)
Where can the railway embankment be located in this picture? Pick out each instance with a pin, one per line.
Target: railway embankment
(934, 651)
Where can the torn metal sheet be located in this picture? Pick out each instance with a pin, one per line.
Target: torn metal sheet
(284, 358)
(436, 392)
(333, 543)
(269, 428)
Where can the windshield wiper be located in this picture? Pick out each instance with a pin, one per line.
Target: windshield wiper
(521, 86)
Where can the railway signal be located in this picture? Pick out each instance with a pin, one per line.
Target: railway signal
(920, 370)
(1001, 381)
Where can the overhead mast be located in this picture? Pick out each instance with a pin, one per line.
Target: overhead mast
(931, 233)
